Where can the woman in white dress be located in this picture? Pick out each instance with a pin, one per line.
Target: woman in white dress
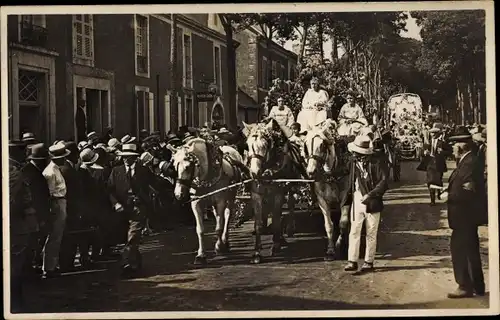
(350, 113)
(314, 105)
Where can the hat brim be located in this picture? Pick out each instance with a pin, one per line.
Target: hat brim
(28, 139)
(434, 130)
(460, 138)
(354, 148)
(93, 160)
(127, 153)
(30, 157)
(66, 153)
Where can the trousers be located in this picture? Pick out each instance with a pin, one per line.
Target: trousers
(372, 220)
(54, 238)
(466, 259)
(131, 254)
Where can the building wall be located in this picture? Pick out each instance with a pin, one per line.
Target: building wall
(247, 63)
(114, 68)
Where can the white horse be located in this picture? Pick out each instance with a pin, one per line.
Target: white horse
(206, 167)
(321, 159)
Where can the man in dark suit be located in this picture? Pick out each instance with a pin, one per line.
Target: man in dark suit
(32, 171)
(434, 160)
(361, 197)
(129, 186)
(467, 209)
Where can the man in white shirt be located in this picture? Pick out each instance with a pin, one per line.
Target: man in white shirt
(58, 207)
(282, 114)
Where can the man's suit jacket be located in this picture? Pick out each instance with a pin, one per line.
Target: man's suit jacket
(375, 185)
(119, 185)
(467, 208)
(438, 162)
(73, 187)
(39, 191)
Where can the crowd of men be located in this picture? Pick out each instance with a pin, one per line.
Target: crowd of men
(89, 198)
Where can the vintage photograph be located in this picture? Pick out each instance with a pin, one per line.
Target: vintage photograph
(312, 159)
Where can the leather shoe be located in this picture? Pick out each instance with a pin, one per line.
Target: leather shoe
(351, 266)
(479, 291)
(460, 293)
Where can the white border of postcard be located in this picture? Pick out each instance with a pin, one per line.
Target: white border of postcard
(291, 7)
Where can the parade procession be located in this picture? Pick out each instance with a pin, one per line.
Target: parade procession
(324, 168)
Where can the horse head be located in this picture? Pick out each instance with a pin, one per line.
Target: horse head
(320, 148)
(260, 141)
(190, 161)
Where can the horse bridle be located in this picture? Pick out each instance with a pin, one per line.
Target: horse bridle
(193, 163)
(320, 158)
(258, 156)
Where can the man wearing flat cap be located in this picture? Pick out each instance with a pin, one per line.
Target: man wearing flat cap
(129, 194)
(467, 209)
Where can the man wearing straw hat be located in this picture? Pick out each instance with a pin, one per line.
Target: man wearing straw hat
(362, 199)
(467, 209)
(129, 193)
(58, 207)
(282, 114)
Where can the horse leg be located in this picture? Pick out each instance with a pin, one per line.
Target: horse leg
(325, 209)
(276, 208)
(197, 208)
(257, 199)
(344, 229)
(227, 216)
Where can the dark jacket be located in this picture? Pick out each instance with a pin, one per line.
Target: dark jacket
(20, 202)
(467, 208)
(375, 185)
(438, 162)
(73, 188)
(39, 191)
(119, 185)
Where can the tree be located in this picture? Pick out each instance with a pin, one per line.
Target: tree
(453, 55)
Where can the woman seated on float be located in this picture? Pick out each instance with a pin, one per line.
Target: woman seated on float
(350, 113)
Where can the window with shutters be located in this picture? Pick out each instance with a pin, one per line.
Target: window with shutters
(217, 68)
(145, 112)
(142, 45)
(83, 39)
(188, 61)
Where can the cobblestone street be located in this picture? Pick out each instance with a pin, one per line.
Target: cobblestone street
(413, 270)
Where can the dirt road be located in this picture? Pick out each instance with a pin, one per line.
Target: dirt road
(413, 270)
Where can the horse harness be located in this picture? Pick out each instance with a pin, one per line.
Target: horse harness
(320, 159)
(215, 158)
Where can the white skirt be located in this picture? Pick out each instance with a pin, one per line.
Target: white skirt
(310, 117)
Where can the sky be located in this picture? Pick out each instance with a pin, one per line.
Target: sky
(413, 31)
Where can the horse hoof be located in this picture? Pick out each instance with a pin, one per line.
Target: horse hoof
(200, 261)
(329, 256)
(275, 249)
(283, 242)
(256, 259)
(222, 249)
